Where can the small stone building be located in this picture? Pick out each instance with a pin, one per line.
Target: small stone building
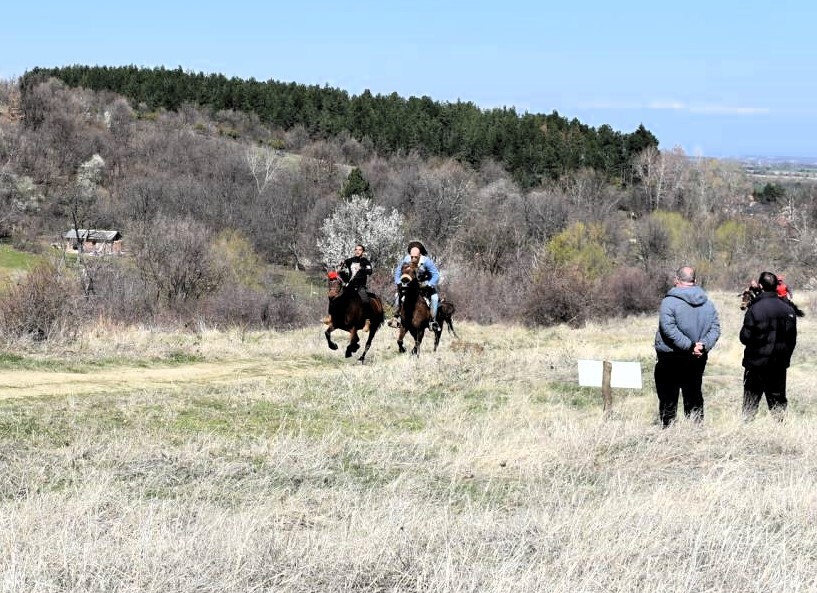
(94, 241)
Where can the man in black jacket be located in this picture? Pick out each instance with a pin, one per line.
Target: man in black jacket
(359, 268)
(769, 333)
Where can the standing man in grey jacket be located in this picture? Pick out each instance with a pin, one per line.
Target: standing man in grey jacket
(688, 328)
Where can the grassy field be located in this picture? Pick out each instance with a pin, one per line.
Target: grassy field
(14, 263)
(239, 461)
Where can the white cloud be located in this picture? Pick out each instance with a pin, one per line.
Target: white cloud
(673, 105)
(727, 110)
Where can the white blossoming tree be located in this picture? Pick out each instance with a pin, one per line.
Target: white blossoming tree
(359, 221)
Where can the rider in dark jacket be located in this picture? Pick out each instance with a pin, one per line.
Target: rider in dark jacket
(769, 334)
(359, 268)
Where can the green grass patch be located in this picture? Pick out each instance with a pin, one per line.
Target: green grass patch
(569, 394)
(14, 262)
(481, 399)
(179, 357)
(12, 361)
(12, 259)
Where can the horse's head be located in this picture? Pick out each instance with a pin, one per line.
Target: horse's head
(408, 274)
(335, 284)
(749, 295)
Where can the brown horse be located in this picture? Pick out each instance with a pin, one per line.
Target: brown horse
(346, 312)
(415, 313)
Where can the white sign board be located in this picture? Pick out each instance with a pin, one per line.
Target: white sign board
(623, 374)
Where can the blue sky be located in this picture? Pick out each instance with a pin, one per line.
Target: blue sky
(717, 78)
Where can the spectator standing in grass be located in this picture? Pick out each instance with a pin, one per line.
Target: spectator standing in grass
(769, 334)
(688, 328)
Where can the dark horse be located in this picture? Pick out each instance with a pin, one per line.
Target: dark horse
(346, 313)
(415, 313)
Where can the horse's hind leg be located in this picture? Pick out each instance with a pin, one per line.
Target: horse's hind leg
(362, 358)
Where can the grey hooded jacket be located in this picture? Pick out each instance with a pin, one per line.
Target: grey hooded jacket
(686, 316)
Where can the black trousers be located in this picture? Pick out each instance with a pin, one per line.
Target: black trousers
(771, 381)
(364, 294)
(682, 373)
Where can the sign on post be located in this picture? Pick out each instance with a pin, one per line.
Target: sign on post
(607, 374)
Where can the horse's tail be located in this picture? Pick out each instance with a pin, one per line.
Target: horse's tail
(378, 315)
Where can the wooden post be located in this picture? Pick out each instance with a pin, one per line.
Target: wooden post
(606, 392)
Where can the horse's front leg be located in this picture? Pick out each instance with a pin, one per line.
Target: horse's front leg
(328, 334)
(418, 339)
(400, 336)
(354, 342)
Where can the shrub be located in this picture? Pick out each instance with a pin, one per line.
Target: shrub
(628, 291)
(581, 246)
(46, 303)
(559, 295)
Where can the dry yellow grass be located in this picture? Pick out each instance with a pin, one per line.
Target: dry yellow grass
(273, 464)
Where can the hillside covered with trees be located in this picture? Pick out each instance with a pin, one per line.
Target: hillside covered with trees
(531, 147)
(229, 195)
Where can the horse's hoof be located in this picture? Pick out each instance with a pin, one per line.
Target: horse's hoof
(333, 346)
(348, 354)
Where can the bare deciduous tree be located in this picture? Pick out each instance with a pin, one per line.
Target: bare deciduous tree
(176, 260)
(265, 164)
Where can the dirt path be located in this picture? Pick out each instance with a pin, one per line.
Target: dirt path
(33, 383)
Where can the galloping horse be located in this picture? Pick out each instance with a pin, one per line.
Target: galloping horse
(347, 313)
(415, 313)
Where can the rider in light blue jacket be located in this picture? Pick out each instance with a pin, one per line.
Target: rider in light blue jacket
(427, 274)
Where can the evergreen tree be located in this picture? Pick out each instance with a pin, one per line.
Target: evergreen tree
(356, 184)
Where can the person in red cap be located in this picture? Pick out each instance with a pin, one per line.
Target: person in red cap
(358, 269)
(355, 271)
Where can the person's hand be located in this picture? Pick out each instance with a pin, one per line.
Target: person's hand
(698, 350)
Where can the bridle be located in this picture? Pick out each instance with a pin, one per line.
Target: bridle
(336, 284)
